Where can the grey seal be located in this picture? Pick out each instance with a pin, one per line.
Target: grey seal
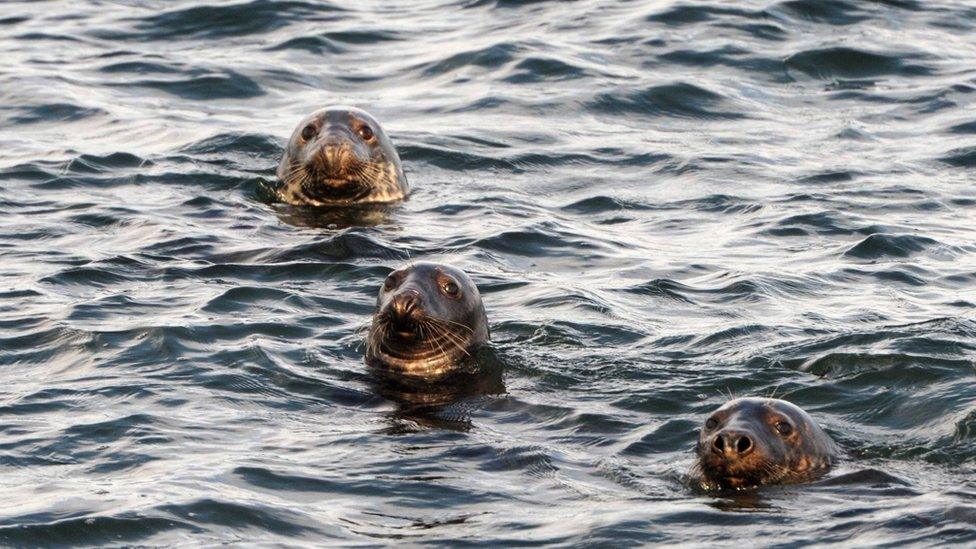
(429, 317)
(340, 156)
(749, 442)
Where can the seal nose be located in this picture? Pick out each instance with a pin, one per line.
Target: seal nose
(334, 151)
(732, 444)
(334, 154)
(405, 303)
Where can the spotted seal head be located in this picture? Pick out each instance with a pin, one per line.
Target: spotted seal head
(429, 318)
(339, 156)
(750, 442)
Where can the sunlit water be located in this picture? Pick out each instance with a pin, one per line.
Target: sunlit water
(662, 203)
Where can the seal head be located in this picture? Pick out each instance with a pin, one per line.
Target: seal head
(429, 318)
(750, 442)
(338, 156)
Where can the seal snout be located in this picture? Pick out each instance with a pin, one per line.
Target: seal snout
(334, 158)
(732, 445)
(405, 310)
(405, 303)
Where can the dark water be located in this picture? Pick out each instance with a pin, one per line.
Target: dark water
(661, 202)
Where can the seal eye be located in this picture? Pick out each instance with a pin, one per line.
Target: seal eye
(365, 132)
(309, 132)
(711, 423)
(391, 282)
(784, 428)
(451, 289)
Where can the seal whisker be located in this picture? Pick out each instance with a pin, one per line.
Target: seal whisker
(456, 339)
(379, 331)
(436, 341)
(457, 342)
(436, 334)
(451, 322)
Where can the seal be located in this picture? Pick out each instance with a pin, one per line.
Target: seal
(338, 156)
(750, 442)
(429, 317)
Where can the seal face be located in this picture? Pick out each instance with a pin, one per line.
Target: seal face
(339, 156)
(749, 442)
(429, 317)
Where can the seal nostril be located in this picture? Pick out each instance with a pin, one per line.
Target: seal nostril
(718, 444)
(405, 303)
(743, 445)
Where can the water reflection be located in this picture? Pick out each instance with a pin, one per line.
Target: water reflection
(327, 217)
(743, 500)
(324, 217)
(446, 403)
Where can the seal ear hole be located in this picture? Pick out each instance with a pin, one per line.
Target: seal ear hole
(784, 428)
(365, 132)
(310, 131)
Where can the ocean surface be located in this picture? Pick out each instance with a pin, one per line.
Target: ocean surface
(663, 203)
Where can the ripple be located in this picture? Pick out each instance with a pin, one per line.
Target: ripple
(8, 21)
(533, 461)
(140, 67)
(729, 56)
(537, 242)
(543, 69)
(826, 223)
(442, 157)
(686, 15)
(735, 291)
(832, 12)
(264, 478)
(961, 158)
(91, 530)
(680, 99)
(964, 128)
(234, 514)
(222, 21)
(202, 86)
(93, 164)
(56, 112)
(846, 364)
(873, 477)
(878, 246)
(843, 62)
(604, 204)
(85, 277)
(235, 143)
(243, 298)
(491, 56)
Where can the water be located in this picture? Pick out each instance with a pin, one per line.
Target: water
(661, 202)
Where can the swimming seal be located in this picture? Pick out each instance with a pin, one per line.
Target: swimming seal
(429, 317)
(338, 156)
(750, 442)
